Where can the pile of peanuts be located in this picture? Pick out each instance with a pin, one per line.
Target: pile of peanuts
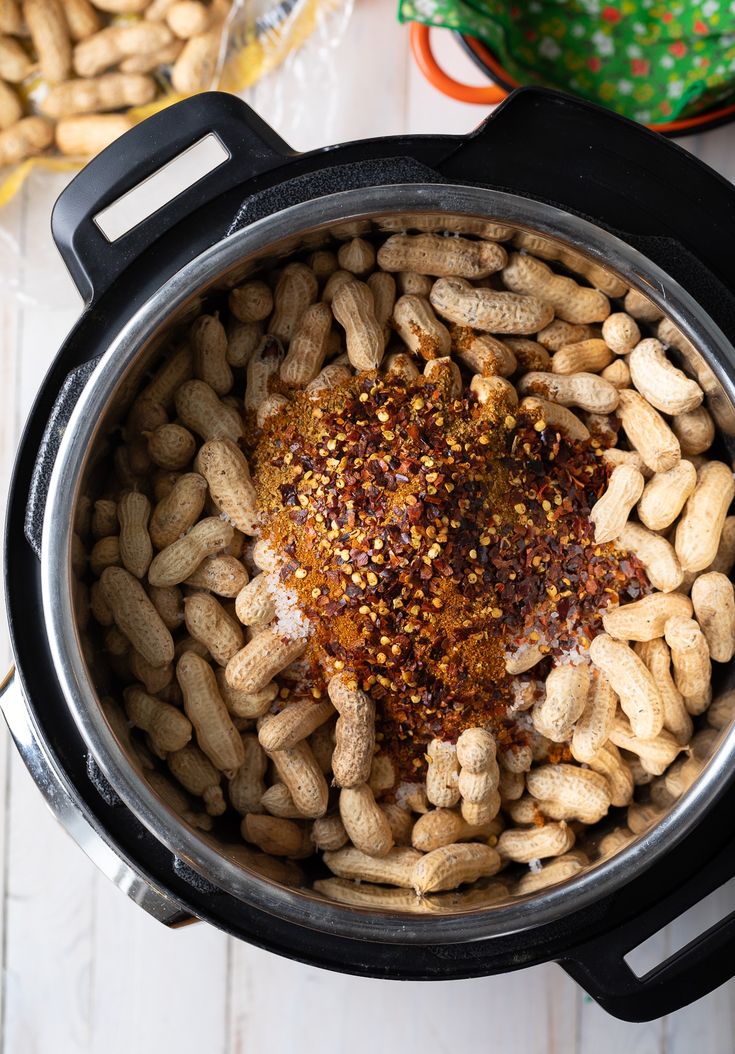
(68, 67)
(182, 586)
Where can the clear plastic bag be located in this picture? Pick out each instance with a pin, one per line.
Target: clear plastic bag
(276, 54)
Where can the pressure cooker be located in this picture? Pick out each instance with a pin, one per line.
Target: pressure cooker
(591, 185)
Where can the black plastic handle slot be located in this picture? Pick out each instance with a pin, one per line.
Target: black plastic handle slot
(698, 968)
(95, 262)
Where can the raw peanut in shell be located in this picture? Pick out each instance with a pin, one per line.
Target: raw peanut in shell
(246, 787)
(452, 865)
(263, 367)
(610, 512)
(356, 256)
(660, 382)
(394, 869)
(196, 67)
(482, 353)
(226, 471)
(631, 680)
(522, 846)
(355, 732)
(208, 622)
(223, 575)
(657, 657)
(295, 291)
(242, 340)
(645, 619)
(432, 254)
(479, 776)
(27, 138)
(136, 549)
(50, 37)
(171, 447)
(620, 332)
(242, 704)
(567, 687)
(209, 343)
(725, 559)
(292, 724)
(251, 302)
(419, 328)
(187, 18)
(168, 727)
(445, 373)
(442, 775)
(155, 679)
(181, 558)
(254, 604)
(366, 824)
(691, 661)
(383, 288)
(216, 735)
(81, 18)
(617, 373)
(558, 333)
(328, 832)
(175, 514)
(491, 391)
(555, 416)
(640, 307)
(584, 356)
(136, 617)
(656, 752)
(105, 553)
(665, 495)
(530, 355)
(655, 553)
(15, 63)
(560, 869)
(308, 348)
(354, 308)
(277, 836)
(593, 726)
(200, 410)
(647, 432)
(88, 134)
(608, 762)
(713, 598)
(296, 766)
(11, 20)
(401, 368)
(699, 529)
(695, 431)
(583, 390)
(11, 110)
(111, 91)
(566, 792)
(152, 61)
(445, 827)
(571, 301)
(262, 659)
(195, 772)
(488, 310)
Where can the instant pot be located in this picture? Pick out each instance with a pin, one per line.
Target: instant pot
(593, 188)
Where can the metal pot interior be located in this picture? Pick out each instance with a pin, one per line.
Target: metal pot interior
(615, 853)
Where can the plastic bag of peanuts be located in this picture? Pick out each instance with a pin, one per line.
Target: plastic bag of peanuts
(76, 74)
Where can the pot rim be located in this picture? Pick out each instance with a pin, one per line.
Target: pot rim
(306, 908)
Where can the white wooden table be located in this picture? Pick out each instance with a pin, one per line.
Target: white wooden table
(85, 971)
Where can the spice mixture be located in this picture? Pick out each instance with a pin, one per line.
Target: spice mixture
(429, 538)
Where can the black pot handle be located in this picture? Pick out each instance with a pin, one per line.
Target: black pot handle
(93, 261)
(704, 964)
(559, 149)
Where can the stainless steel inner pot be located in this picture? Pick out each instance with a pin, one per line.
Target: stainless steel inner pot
(107, 396)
